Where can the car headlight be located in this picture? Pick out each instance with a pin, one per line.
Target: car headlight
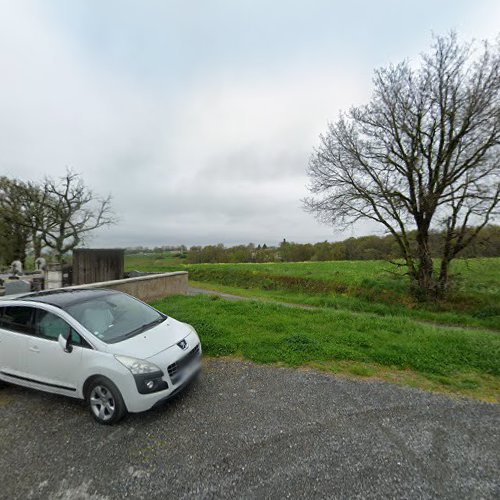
(137, 366)
(147, 376)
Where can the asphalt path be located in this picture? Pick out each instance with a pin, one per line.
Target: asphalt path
(247, 431)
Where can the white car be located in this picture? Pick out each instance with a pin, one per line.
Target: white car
(116, 352)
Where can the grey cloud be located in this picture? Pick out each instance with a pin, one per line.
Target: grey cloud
(216, 156)
(256, 163)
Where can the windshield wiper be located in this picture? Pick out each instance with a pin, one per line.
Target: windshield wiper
(142, 328)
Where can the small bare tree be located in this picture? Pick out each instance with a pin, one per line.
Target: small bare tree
(423, 154)
(57, 214)
(72, 211)
(33, 201)
(14, 225)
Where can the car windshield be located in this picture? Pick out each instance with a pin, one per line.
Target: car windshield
(114, 317)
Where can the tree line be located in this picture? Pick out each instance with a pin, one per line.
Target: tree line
(53, 215)
(180, 249)
(373, 247)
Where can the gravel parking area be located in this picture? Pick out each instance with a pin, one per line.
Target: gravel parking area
(252, 431)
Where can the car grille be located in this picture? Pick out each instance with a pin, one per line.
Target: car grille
(175, 369)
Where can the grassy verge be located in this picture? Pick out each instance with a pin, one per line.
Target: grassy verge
(365, 345)
(341, 302)
(366, 286)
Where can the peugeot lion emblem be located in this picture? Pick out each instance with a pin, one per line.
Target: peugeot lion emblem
(183, 344)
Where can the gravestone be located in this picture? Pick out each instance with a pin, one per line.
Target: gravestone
(53, 277)
(40, 264)
(38, 283)
(17, 286)
(16, 267)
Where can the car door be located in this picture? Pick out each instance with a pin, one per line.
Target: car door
(46, 362)
(16, 324)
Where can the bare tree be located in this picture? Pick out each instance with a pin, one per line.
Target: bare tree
(57, 214)
(15, 226)
(72, 212)
(423, 154)
(34, 217)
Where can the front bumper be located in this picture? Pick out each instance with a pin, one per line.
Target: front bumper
(178, 389)
(137, 402)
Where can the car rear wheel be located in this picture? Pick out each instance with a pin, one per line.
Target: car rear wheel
(105, 401)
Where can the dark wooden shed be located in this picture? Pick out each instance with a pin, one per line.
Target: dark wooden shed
(92, 265)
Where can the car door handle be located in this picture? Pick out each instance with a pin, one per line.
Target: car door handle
(34, 349)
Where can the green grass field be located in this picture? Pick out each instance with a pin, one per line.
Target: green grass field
(365, 324)
(360, 286)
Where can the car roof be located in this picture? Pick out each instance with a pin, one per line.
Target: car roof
(65, 297)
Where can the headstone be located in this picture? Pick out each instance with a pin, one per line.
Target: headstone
(53, 277)
(37, 283)
(16, 267)
(17, 286)
(40, 264)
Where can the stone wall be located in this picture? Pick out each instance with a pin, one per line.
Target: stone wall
(147, 288)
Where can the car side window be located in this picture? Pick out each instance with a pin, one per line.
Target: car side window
(50, 326)
(77, 339)
(17, 319)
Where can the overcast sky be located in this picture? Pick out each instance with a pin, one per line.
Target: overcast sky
(199, 116)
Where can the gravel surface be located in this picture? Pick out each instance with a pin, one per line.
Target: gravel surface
(247, 431)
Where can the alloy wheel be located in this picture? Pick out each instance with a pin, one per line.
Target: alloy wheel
(102, 403)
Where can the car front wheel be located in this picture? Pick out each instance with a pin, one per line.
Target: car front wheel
(105, 401)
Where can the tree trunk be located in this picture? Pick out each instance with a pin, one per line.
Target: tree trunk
(37, 244)
(426, 286)
(59, 257)
(20, 249)
(443, 277)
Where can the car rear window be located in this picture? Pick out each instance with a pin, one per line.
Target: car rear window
(17, 318)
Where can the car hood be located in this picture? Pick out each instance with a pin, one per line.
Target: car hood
(152, 341)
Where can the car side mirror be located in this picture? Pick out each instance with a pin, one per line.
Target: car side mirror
(65, 342)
